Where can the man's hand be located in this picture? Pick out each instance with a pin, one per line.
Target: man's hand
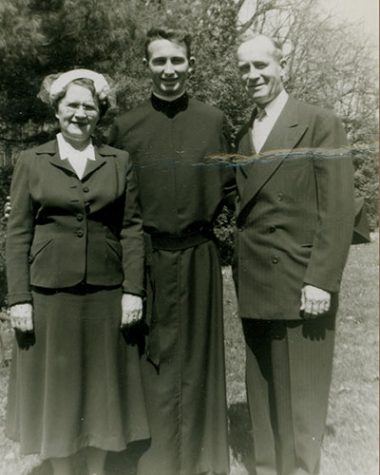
(21, 317)
(131, 309)
(314, 301)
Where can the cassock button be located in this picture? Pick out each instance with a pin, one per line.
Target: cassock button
(275, 260)
(86, 189)
(280, 196)
(80, 233)
(80, 217)
(272, 229)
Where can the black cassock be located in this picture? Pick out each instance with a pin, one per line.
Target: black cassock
(181, 191)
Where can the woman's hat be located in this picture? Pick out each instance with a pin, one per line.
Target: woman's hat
(54, 84)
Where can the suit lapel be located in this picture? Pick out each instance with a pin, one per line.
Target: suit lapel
(51, 149)
(102, 154)
(283, 138)
(93, 165)
(287, 130)
(246, 148)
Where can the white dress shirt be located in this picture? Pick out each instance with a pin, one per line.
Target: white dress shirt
(77, 158)
(266, 118)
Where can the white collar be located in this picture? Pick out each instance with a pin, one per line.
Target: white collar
(66, 150)
(274, 108)
(168, 99)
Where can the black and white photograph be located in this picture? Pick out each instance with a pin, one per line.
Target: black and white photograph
(189, 237)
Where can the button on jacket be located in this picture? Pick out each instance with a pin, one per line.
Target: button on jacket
(63, 231)
(296, 212)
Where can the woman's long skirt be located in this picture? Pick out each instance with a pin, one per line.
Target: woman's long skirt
(79, 384)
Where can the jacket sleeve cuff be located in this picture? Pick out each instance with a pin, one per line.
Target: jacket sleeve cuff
(20, 297)
(133, 291)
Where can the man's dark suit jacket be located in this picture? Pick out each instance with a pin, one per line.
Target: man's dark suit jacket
(63, 231)
(296, 212)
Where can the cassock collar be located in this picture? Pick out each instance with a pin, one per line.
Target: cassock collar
(170, 108)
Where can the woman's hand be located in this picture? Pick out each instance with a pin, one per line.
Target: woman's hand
(131, 309)
(7, 209)
(21, 317)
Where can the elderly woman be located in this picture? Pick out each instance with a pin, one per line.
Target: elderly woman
(75, 277)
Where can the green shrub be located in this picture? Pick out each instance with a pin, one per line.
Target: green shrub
(365, 159)
(224, 233)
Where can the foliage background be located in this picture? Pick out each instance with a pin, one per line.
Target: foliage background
(331, 64)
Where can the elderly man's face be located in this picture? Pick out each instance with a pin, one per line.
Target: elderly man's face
(260, 70)
(169, 66)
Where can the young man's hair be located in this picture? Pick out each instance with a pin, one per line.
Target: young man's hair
(170, 34)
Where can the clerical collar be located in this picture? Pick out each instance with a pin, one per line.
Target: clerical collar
(170, 108)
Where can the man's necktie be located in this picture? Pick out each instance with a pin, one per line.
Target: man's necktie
(258, 131)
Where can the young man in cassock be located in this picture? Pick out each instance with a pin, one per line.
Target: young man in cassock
(170, 138)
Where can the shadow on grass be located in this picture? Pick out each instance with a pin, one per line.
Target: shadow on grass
(43, 469)
(117, 463)
(240, 435)
(125, 463)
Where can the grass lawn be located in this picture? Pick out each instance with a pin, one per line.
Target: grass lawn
(351, 440)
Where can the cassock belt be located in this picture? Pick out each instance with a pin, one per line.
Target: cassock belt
(170, 242)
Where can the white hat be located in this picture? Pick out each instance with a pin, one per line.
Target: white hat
(54, 84)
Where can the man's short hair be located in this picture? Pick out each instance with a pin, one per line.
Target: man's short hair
(170, 34)
(277, 46)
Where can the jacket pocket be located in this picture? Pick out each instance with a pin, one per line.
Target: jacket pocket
(37, 247)
(115, 246)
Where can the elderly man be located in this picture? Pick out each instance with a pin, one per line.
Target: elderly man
(169, 138)
(294, 227)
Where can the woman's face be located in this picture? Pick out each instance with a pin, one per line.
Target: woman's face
(78, 114)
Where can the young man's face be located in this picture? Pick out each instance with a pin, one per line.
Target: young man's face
(169, 67)
(261, 71)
